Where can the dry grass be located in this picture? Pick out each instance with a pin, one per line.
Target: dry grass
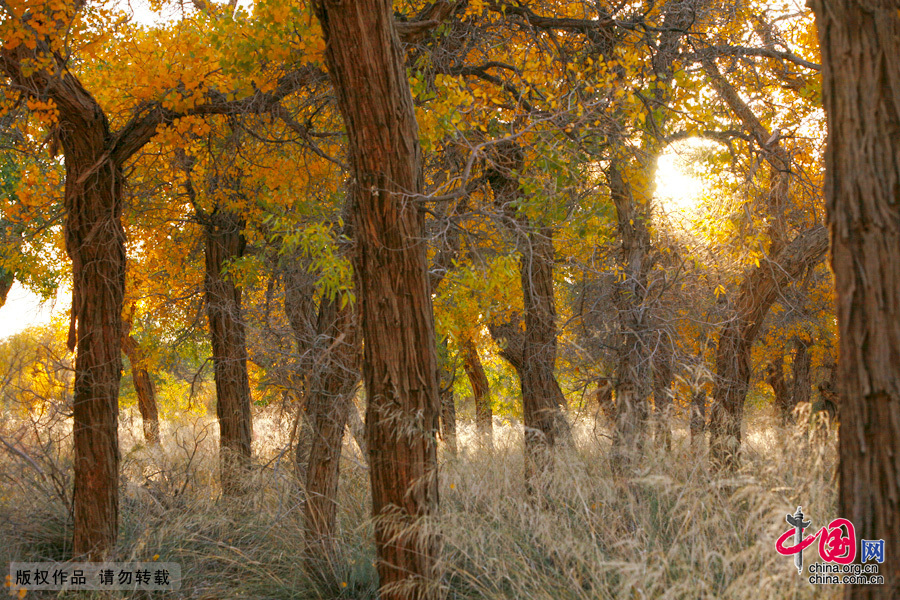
(669, 529)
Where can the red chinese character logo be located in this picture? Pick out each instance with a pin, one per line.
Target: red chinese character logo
(836, 547)
(837, 542)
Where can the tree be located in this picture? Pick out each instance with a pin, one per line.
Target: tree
(531, 348)
(38, 64)
(367, 68)
(860, 45)
(143, 385)
(333, 380)
(481, 392)
(224, 241)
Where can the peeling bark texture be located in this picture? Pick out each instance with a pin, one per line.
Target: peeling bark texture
(481, 393)
(531, 352)
(332, 383)
(758, 291)
(368, 70)
(775, 379)
(223, 242)
(95, 242)
(143, 386)
(801, 384)
(860, 43)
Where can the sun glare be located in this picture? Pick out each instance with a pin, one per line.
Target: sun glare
(678, 191)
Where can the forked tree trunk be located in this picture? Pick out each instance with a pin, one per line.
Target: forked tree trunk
(368, 70)
(223, 242)
(860, 43)
(332, 381)
(755, 296)
(481, 393)
(144, 388)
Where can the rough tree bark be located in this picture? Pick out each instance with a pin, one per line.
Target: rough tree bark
(860, 43)
(332, 382)
(754, 298)
(143, 386)
(481, 392)
(531, 352)
(95, 242)
(224, 241)
(367, 68)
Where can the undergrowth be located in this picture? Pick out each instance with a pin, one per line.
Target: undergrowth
(666, 528)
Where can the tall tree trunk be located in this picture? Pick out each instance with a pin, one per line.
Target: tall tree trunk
(802, 386)
(860, 44)
(223, 242)
(481, 392)
(631, 196)
(533, 354)
(368, 69)
(300, 308)
(95, 242)
(755, 296)
(332, 382)
(775, 379)
(143, 386)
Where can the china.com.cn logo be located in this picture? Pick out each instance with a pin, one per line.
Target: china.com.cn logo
(837, 549)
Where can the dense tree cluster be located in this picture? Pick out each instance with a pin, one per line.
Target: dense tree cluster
(433, 197)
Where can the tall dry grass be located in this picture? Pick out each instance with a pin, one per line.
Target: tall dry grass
(668, 528)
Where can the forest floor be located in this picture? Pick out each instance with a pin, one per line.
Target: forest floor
(669, 528)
